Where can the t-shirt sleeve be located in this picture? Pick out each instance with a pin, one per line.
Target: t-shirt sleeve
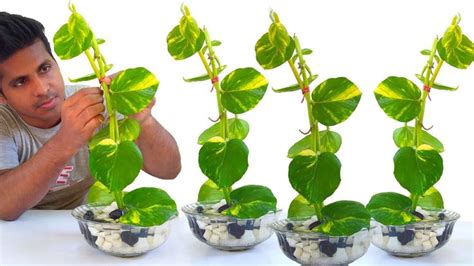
(8, 149)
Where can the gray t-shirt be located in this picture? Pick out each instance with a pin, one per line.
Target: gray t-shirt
(20, 141)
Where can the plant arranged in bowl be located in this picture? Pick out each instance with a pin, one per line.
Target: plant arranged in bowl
(119, 223)
(417, 224)
(316, 233)
(225, 217)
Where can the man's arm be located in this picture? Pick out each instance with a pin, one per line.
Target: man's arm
(160, 151)
(23, 187)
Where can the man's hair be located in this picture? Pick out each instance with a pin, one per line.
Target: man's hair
(17, 32)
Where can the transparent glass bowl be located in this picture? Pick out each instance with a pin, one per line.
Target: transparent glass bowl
(228, 233)
(122, 240)
(313, 248)
(416, 239)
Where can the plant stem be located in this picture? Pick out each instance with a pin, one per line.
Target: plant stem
(414, 201)
(317, 207)
(226, 191)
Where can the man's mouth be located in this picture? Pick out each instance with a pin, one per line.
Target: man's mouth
(49, 104)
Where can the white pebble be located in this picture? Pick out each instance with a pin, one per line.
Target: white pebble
(305, 256)
(427, 245)
(117, 243)
(432, 234)
(297, 252)
(93, 231)
(314, 245)
(393, 244)
(107, 245)
(207, 234)
(340, 256)
(99, 241)
(434, 241)
(214, 239)
(247, 238)
(299, 245)
(141, 246)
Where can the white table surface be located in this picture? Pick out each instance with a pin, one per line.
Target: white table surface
(53, 237)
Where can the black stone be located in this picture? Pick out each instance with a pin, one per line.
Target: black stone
(249, 225)
(89, 215)
(314, 224)
(88, 236)
(393, 232)
(199, 209)
(143, 232)
(129, 238)
(115, 214)
(327, 248)
(406, 237)
(417, 214)
(223, 208)
(341, 243)
(290, 226)
(441, 216)
(236, 230)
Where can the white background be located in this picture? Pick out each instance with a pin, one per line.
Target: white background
(365, 41)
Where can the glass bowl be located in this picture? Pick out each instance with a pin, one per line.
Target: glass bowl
(415, 239)
(225, 232)
(122, 240)
(307, 247)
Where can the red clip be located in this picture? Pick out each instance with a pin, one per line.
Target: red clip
(427, 89)
(105, 80)
(214, 80)
(304, 91)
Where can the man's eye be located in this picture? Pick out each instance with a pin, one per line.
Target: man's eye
(45, 68)
(19, 82)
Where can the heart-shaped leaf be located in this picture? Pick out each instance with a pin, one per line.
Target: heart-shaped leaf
(132, 90)
(224, 162)
(148, 206)
(90, 76)
(129, 130)
(418, 170)
(238, 129)
(189, 28)
(459, 56)
(432, 199)
(399, 98)
(251, 201)
(315, 177)
(273, 48)
(391, 208)
(242, 90)
(334, 100)
(405, 137)
(115, 165)
(179, 47)
(66, 46)
(300, 208)
(330, 141)
(99, 194)
(210, 192)
(344, 218)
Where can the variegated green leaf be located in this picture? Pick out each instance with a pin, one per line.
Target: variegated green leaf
(251, 201)
(334, 100)
(459, 56)
(418, 170)
(115, 165)
(399, 98)
(405, 137)
(189, 28)
(315, 177)
(300, 208)
(148, 206)
(132, 90)
(330, 141)
(204, 76)
(78, 27)
(99, 194)
(210, 192)
(343, 218)
(294, 87)
(238, 129)
(391, 208)
(224, 162)
(242, 90)
(432, 199)
(66, 46)
(179, 47)
(129, 130)
(275, 47)
(90, 76)
(437, 85)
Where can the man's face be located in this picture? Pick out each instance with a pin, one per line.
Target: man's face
(32, 85)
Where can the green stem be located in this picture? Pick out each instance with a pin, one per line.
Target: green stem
(119, 199)
(317, 207)
(226, 191)
(414, 201)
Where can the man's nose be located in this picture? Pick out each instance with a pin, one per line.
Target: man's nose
(40, 86)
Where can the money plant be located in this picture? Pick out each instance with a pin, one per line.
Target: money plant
(418, 165)
(115, 160)
(223, 157)
(314, 171)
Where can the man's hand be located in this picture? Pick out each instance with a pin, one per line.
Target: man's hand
(145, 114)
(80, 117)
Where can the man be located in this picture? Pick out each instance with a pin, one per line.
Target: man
(45, 127)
